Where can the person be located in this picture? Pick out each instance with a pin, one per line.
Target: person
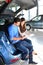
(19, 41)
(23, 32)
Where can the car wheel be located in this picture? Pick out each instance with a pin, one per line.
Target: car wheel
(1, 61)
(28, 27)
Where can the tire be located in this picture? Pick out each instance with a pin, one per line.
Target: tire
(1, 61)
(28, 27)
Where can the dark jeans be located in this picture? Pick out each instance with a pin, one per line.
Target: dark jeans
(29, 42)
(30, 52)
(25, 46)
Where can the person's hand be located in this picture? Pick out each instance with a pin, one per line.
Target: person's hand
(23, 37)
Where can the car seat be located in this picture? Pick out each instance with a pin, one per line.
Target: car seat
(8, 44)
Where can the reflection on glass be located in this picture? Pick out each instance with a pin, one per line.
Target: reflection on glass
(37, 18)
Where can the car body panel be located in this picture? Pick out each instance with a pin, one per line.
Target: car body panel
(36, 22)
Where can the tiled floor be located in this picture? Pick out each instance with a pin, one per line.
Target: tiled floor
(37, 41)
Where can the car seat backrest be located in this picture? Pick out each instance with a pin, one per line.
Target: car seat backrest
(6, 43)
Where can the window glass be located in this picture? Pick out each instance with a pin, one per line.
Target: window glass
(37, 18)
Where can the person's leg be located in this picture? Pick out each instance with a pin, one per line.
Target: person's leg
(30, 42)
(30, 47)
(23, 49)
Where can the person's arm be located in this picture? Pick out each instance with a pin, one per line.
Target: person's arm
(12, 34)
(19, 38)
(15, 38)
(21, 34)
(19, 31)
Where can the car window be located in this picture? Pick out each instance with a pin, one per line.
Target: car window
(36, 18)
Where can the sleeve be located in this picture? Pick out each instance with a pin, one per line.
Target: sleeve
(12, 33)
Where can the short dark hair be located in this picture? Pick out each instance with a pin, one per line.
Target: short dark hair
(16, 20)
(22, 19)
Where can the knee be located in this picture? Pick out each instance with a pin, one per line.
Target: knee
(31, 47)
(30, 42)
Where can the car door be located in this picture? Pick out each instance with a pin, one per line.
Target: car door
(37, 22)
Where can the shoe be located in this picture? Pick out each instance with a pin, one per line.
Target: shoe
(22, 61)
(32, 62)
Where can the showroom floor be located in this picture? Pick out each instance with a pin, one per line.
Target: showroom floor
(37, 41)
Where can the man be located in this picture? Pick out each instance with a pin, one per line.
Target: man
(19, 41)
